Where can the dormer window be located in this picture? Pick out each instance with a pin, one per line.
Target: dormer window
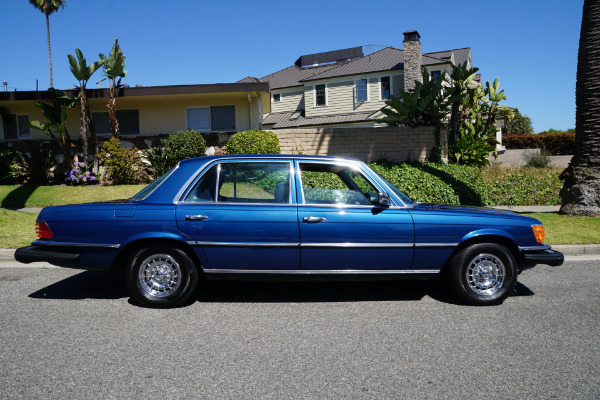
(435, 75)
(385, 88)
(320, 95)
(276, 97)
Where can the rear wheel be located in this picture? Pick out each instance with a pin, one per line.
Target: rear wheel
(161, 277)
(483, 274)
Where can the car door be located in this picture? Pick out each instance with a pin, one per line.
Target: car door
(243, 217)
(340, 227)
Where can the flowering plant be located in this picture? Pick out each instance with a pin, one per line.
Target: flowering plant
(81, 175)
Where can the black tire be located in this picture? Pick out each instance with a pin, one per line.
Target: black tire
(483, 274)
(161, 277)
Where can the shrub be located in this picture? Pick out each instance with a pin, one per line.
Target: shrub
(537, 160)
(181, 146)
(157, 157)
(554, 143)
(6, 157)
(473, 186)
(124, 165)
(254, 142)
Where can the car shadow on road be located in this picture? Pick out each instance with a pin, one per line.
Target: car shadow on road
(107, 286)
(85, 285)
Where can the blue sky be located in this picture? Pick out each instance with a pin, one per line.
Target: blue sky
(530, 45)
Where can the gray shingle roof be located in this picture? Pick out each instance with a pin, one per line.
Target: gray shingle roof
(387, 59)
(282, 120)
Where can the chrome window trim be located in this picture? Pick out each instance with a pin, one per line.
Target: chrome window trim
(323, 272)
(188, 184)
(357, 166)
(532, 248)
(192, 181)
(73, 244)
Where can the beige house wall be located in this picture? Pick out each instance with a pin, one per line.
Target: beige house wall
(291, 100)
(157, 114)
(367, 144)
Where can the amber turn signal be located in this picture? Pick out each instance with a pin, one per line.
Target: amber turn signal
(539, 233)
(43, 230)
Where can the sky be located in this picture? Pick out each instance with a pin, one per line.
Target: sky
(530, 45)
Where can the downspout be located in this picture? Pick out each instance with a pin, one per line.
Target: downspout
(250, 109)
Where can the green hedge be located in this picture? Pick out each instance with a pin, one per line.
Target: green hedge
(459, 184)
(555, 143)
(253, 142)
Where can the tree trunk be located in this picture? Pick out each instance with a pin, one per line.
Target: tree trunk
(49, 51)
(581, 191)
(84, 123)
(112, 108)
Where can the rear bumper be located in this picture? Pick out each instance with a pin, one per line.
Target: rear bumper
(531, 257)
(31, 254)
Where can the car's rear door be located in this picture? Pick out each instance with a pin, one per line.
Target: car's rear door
(243, 216)
(340, 227)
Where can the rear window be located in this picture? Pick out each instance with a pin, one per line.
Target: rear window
(145, 192)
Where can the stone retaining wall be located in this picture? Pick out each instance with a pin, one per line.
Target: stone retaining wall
(367, 144)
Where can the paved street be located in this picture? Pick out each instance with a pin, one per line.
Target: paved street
(72, 335)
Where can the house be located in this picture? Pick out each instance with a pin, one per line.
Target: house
(345, 88)
(141, 111)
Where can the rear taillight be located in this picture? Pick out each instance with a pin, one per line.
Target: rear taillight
(43, 230)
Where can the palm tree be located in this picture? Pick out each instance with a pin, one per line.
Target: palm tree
(48, 7)
(113, 67)
(83, 72)
(581, 191)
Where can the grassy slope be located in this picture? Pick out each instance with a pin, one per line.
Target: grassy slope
(565, 229)
(42, 196)
(17, 228)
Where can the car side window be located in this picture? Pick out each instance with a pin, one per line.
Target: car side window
(257, 182)
(205, 188)
(335, 184)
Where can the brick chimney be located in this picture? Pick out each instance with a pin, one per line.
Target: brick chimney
(412, 60)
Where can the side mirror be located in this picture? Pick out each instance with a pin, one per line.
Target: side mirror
(383, 199)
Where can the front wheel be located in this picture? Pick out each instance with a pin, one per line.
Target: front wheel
(483, 274)
(161, 277)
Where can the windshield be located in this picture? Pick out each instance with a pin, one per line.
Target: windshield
(145, 192)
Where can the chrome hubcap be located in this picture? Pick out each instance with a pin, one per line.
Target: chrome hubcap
(160, 275)
(485, 274)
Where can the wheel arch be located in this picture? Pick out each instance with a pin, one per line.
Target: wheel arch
(120, 262)
(507, 242)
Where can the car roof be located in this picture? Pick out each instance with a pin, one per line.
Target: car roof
(208, 159)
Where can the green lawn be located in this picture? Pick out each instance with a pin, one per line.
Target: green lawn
(42, 196)
(17, 228)
(565, 229)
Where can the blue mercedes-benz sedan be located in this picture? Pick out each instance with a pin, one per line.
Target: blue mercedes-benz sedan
(287, 216)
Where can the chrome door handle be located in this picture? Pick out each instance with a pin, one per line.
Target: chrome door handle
(195, 217)
(313, 219)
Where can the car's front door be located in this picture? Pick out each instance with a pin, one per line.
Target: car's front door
(243, 217)
(341, 229)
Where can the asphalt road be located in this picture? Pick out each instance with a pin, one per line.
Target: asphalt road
(72, 335)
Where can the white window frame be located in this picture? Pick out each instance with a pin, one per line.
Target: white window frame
(356, 90)
(280, 98)
(209, 118)
(380, 89)
(315, 95)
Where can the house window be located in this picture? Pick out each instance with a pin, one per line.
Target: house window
(198, 118)
(16, 126)
(218, 118)
(129, 122)
(320, 97)
(361, 90)
(435, 75)
(385, 88)
(222, 118)
(276, 97)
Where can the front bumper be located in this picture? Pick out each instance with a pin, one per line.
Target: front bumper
(530, 257)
